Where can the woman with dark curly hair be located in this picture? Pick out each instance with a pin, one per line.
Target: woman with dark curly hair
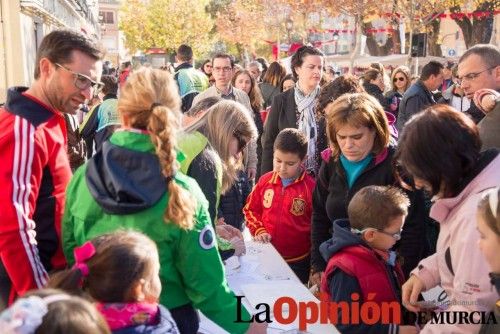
(440, 149)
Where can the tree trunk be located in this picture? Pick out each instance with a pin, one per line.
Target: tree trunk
(476, 30)
(433, 48)
(373, 47)
(357, 45)
(409, 61)
(483, 28)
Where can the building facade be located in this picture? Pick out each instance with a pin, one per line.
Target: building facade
(111, 37)
(23, 23)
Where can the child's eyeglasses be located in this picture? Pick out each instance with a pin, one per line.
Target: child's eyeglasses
(396, 236)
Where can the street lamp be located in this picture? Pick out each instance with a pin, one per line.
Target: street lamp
(336, 39)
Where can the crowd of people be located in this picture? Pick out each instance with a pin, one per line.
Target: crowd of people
(124, 193)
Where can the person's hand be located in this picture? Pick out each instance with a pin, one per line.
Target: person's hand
(315, 278)
(263, 237)
(408, 330)
(251, 172)
(228, 232)
(257, 328)
(485, 99)
(239, 246)
(220, 221)
(410, 291)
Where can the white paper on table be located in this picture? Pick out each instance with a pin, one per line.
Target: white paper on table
(233, 263)
(248, 266)
(269, 293)
(235, 282)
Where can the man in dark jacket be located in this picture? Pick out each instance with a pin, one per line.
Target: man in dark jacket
(419, 95)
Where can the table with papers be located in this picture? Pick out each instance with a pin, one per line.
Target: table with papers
(262, 276)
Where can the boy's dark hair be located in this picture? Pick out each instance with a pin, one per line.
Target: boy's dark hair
(224, 55)
(184, 53)
(58, 45)
(203, 105)
(291, 140)
(110, 84)
(375, 206)
(431, 68)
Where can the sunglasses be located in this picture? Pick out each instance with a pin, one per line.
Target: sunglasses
(82, 81)
(400, 79)
(242, 143)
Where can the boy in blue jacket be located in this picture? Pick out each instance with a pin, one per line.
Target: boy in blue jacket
(360, 262)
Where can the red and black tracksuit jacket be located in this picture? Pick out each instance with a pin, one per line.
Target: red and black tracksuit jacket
(283, 212)
(34, 174)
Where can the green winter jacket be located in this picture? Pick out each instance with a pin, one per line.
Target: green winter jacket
(122, 187)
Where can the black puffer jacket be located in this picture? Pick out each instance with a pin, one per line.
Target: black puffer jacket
(332, 196)
(415, 99)
(377, 93)
(231, 203)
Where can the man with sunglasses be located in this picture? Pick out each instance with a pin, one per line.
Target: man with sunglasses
(35, 168)
(479, 69)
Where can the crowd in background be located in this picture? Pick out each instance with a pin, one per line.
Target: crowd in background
(130, 189)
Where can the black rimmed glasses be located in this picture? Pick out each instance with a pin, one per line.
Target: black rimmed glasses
(81, 81)
(399, 78)
(395, 236)
(472, 76)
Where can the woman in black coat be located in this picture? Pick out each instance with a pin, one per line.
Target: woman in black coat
(295, 108)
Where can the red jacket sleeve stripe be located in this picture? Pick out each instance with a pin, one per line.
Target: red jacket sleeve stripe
(23, 158)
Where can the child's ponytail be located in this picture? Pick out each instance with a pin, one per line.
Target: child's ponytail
(181, 206)
(72, 280)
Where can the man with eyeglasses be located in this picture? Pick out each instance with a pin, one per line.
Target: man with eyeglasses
(35, 168)
(479, 69)
(222, 71)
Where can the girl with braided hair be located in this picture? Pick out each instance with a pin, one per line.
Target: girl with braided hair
(133, 182)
